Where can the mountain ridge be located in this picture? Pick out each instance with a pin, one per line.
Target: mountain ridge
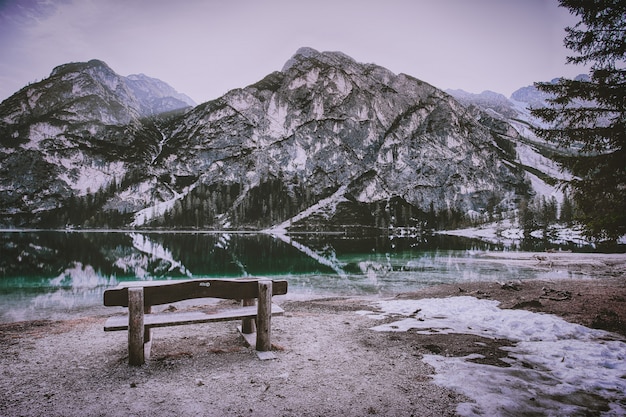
(405, 153)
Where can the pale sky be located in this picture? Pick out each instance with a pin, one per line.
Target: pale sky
(204, 48)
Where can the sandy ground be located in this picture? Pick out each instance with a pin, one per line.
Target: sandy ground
(328, 362)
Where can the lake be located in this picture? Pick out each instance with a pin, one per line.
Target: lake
(61, 274)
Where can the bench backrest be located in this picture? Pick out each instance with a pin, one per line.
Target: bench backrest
(171, 292)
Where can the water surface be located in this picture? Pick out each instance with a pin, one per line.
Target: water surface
(59, 274)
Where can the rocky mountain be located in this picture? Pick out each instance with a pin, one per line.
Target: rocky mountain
(489, 101)
(537, 157)
(73, 134)
(325, 143)
(515, 107)
(155, 96)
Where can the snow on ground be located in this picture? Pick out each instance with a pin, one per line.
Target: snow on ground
(556, 367)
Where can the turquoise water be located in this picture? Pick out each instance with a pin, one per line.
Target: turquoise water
(58, 274)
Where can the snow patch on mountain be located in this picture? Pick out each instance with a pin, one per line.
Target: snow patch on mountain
(528, 155)
(85, 179)
(328, 203)
(157, 210)
(308, 79)
(40, 132)
(298, 159)
(277, 113)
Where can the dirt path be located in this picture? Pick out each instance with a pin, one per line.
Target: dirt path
(328, 363)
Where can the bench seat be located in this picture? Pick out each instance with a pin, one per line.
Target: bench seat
(188, 317)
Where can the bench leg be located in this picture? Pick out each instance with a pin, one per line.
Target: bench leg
(247, 325)
(136, 330)
(147, 334)
(264, 316)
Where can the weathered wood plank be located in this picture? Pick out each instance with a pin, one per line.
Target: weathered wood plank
(165, 292)
(264, 317)
(192, 317)
(136, 354)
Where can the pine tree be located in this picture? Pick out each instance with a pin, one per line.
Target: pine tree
(590, 114)
(567, 210)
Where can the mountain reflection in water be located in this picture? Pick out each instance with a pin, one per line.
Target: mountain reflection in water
(58, 274)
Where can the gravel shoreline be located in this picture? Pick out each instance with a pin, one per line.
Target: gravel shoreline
(328, 362)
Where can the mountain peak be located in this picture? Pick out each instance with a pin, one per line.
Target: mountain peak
(79, 66)
(307, 53)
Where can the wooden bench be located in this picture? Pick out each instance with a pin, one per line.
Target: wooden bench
(140, 296)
